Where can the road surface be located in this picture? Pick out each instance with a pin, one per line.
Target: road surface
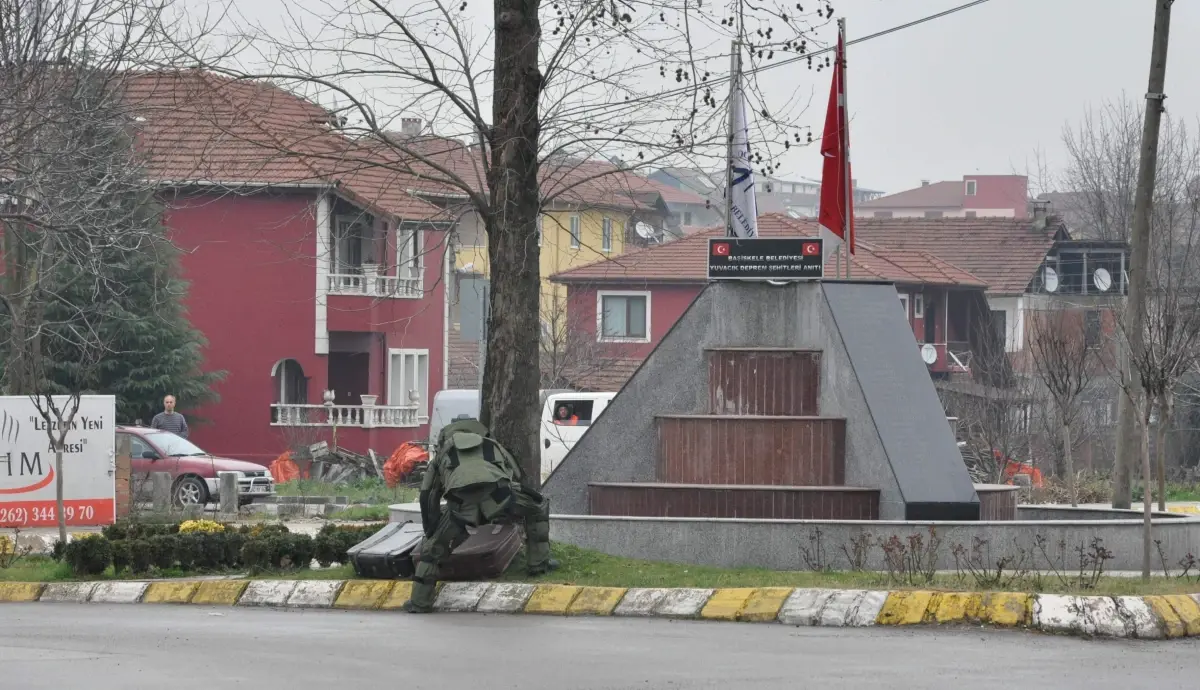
(95, 647)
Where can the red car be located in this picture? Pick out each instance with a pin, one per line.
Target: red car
(194, 473)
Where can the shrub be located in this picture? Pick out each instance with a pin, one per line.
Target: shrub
(206, 526)
(163, 550)
(278, 551)
(263, 529)
(90, 556)
(59, 550)
(122, 556)
(141, 556)
(298, 551)
(127, 528)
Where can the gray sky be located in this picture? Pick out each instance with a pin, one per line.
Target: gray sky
(981, 90)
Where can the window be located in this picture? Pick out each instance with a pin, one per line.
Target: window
(687, 217)
(970, 214)
(904, 305)
(408, 380)
(568, 412)
(574, 232)
(408, 252)
(918, 305)
(933, 214)
(137, 447)
(606, 235)
(971, 187)
(1091, 328)
(1000, 326)
(539, 229)
(624, 316)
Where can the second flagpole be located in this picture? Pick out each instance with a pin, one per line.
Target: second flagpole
(848, 238)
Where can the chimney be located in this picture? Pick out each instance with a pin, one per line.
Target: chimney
(410, 126)
(1041, 208)
(924, 183)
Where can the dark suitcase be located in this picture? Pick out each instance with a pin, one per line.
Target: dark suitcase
(387, 554)
(485, 555)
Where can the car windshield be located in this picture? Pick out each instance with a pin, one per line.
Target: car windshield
(173, 445)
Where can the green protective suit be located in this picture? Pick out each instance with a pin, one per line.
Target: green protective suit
(481, 483)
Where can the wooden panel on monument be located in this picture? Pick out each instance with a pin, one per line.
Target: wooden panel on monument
(729, 501)
(760, 450)
(763, 381)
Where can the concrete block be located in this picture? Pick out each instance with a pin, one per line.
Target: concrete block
(341, 500)
(314, 509)
(1102, 616)
(552, 599)
(1060, 614)
(315, 594)
(683, 603)
(842, 606)
(1187, 610)
(867, 610)
(170, 592)
(219, 592)
(401, 593)
(1168, 620)
(727, 604)
(1140, 621)
(160, 488)
(764, 604)
(68, 592)
(596, 601)
(229, 492)
(267, 593)
(119, 592)
(460, 596)
(289, 500)
(505, 597)
(640, 602)
(364, 594)
(804, 606)
(905, 608)
(290, 510)
(1008, 609)
(17, 592)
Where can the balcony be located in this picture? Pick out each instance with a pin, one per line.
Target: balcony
(370, 284)
(358, 416)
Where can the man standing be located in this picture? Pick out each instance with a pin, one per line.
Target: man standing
(169, 419)
(481, 482)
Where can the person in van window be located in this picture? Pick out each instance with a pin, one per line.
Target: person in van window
(564, 416)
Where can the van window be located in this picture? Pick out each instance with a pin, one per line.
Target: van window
(569, 412)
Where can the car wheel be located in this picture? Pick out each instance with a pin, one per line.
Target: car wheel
(191, 491)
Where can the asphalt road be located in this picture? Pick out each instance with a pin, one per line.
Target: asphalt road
(93, 647)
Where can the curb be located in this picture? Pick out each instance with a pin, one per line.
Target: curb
(1149, 618)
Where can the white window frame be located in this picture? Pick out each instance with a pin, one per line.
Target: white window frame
(606, 235)
(408, 251)
(972, 188)
(904, 301)
(422, 403)
(540, 232)
(918, 305)
(575, 229)
(600, 295)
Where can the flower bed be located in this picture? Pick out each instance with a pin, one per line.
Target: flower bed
(140, 548)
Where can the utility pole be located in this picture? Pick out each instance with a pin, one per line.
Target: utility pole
(1128, 435)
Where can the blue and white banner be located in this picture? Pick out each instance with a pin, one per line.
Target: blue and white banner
(743, 208)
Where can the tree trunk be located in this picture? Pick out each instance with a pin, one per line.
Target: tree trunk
(511, 369)
(1069, 463)
(1147, 480)
(58, 492)
(1165, 406)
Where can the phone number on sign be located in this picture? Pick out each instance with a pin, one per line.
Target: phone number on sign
(24, 516)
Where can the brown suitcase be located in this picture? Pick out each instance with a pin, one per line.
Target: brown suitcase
(485, 555)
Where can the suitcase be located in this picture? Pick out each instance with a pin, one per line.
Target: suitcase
(485, 555)
(387, 554)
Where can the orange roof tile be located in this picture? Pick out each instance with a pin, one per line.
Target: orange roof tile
(686, 260)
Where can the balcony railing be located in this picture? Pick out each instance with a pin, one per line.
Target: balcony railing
(369, 285)
(360, 416)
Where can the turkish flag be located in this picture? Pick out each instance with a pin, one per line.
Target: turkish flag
(720, 249)
(811, 248)
(836, 216)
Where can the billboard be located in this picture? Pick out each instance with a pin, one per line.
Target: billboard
(27, 472)
(772, 258)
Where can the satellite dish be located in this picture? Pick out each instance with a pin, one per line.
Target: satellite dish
(645, 231)
(929, 353)
(1102, 279)
(1050, 279)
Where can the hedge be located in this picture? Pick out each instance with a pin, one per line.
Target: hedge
(139, 547)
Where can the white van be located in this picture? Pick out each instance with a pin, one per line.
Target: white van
(565, 418)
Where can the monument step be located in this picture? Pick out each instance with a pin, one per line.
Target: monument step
(763, 381)
(733, 501)
(757, 450)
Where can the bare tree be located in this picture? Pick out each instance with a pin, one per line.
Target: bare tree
(1064, 356)
(524, 98)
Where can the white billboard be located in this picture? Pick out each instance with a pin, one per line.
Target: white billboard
(27, 474)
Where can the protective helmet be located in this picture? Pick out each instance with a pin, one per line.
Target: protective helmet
(471, 426)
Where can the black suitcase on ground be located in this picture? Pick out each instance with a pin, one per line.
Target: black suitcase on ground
(387, 554)
(485, 555)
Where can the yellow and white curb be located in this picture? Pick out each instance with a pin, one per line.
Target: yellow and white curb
(1150, 617)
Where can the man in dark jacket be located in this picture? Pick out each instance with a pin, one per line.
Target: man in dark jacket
(481, 482)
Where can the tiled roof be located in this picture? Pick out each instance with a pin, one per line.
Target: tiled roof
(1003, 252)
(686, 260)
(674, 195)
(197, 127)
(933, 195)
(609, 377)
(462, 363)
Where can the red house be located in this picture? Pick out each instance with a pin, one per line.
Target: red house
(630, 303)
(315, 274)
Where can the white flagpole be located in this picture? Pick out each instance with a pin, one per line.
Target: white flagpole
(734, 91)
(845, 134)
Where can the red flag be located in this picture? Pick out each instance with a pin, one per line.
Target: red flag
(837, 203)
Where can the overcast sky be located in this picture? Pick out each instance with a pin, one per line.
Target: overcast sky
(980, 90)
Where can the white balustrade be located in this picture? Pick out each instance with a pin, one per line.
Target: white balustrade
(374, 285)
(361, 416)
